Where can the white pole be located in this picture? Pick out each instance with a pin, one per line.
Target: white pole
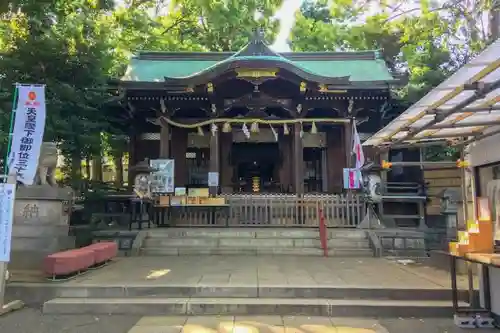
(14, 305)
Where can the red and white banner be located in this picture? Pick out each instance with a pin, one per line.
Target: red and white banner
(357, 149)
(27, 134)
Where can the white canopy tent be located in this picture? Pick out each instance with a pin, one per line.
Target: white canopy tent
(466, 106)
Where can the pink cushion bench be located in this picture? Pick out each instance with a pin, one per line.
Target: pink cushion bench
(68, 262)
(103, 251)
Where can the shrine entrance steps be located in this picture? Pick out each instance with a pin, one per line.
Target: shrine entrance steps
(254, 241)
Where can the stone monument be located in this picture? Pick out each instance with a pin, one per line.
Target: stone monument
(41, 215)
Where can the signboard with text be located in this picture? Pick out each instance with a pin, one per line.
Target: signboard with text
(7, 197)
(213, 179)
(163, 178)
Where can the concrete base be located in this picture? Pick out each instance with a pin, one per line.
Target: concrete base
(401, 242)
(12, 306)
(41, 225)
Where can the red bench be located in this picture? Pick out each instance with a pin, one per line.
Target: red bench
(74, 261)
(103, 251)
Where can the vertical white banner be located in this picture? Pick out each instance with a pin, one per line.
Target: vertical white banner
(27, 135)
(7, 196)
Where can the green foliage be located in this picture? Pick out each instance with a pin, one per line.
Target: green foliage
(429, 41)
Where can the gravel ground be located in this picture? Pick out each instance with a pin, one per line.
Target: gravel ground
(31, 320)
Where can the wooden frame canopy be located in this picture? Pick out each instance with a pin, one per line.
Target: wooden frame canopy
(462, 109)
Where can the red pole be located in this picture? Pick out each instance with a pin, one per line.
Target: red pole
(323, 232)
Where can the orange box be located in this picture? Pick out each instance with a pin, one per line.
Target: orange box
(482, 241)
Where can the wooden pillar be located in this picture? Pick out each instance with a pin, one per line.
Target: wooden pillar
(179, 149)
(298, 160)
(335, 161)
(165, 141)
(132, 160)
(285, 171)
(226, 169)
(214, 159)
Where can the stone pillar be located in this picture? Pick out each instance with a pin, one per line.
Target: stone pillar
(214, 159)
(180, 137)
(41, 225)
(285, 172)
(165, 141)
(298, 160)
(335, 159)
(226, 168)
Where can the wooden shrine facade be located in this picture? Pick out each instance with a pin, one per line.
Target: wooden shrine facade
(264, 121)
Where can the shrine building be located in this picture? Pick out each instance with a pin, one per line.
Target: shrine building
(265, 121)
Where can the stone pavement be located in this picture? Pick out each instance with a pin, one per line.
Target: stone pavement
(258, 271)
(31, 320)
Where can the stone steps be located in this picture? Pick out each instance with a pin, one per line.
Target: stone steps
(263, 291)
(180, 251)
(249, 306)
(254, 241)
(254, 232)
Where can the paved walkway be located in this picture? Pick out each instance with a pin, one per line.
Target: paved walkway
(31, 320)
(256, 271)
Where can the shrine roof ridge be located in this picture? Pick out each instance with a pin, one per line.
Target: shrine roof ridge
(220, 56)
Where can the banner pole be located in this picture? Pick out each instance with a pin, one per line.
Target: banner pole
(17, 304)
(6, 165)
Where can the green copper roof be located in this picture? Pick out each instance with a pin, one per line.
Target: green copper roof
(155, 70)
(366, 66)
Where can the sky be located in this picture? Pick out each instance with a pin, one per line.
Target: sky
(286, 15)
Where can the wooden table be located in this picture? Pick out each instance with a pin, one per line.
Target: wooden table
(485, 260)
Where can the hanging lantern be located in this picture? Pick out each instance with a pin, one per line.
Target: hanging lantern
(213, 129)
(314, 129)
(286, 130)
(200, 131)
(226, 128)
(254, 128)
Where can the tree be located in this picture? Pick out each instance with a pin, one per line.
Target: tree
(427, 40)
(225, 25)
(65, 46)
